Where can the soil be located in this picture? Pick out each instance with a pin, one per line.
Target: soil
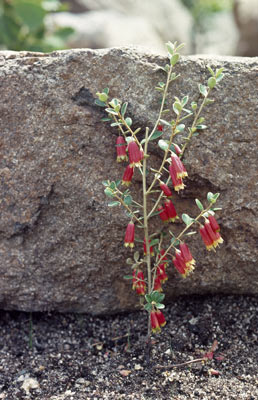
(51, 356)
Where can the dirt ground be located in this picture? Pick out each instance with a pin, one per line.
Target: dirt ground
(51, 356)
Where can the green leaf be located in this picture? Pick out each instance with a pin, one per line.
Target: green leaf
(175, 242)
(215, 197)
(194, 105)
(187, 219)
(129, 261)
(105, 183)
(200, 121)
(159, 306)
(164, 122)
(116, 124)
(148, 307)
(103, 97)
(106, 119)
(170, 47)
(118, 182)
(199, 204)
(128, 277)
(174, 59)
(208, 101)
(106, 90)
(211, 70)
(219, 72)
(30, 13)
(111, 111)
(201, 127)
(190, 233)
(203, 90)
(128, 121)
(128, 200)
(114, 204)
(184, 101)
(154, 242)
(220, 77)
(148, 298)
(177, 107)
(123, 109)
(212, 82)
(156, 135)
(100, 103)
(163, 144)
(174, 77)
(209, 197)
(180, 128)
(136, 256)
(112, 185)
(108, 192)
(157, 296)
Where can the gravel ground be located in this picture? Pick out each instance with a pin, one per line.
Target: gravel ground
(50, 356)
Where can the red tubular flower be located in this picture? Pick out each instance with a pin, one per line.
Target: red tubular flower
(140, 285)
(167, 192)
(135, 154)
(181, 265)
(121, 149)
(163, 214)
(215, 236)
(157, 284)
(214, 223)
(161, 318)
(170, 210)
(154, 322)
(129, 235)
(145, 248)
(177, 183)
(177, 148)
(128, 175)
(134, 279)
(161, 274)
(187, 256)
(157, 320)
(164, 260)
(178, 167)
(210, 237)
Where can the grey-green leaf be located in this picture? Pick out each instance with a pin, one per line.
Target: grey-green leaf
(123, 109)
(114, 204)
(187, 219)
(199, 204)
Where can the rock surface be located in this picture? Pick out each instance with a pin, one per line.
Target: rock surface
(60, 245)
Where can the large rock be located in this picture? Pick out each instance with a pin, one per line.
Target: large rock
(61, 246)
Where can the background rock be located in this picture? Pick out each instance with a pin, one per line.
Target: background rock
(107, 23)
(60, 245)
(246, 16)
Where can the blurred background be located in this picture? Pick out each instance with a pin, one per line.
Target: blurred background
(222, 27)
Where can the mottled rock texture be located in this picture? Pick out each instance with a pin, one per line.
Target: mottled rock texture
(60, 245)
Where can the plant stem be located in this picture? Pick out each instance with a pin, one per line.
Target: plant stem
(145, 218)
(194, 122)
